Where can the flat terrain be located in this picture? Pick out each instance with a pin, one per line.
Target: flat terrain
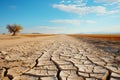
(109, 37)
(58, 57)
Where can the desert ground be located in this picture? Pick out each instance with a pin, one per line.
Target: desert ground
(59, 57)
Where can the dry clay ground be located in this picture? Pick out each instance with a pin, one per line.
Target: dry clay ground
(57, 57)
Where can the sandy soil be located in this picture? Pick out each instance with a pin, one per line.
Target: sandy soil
(8, 41)
(58, 57)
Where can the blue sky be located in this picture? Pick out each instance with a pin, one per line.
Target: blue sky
(61, 16)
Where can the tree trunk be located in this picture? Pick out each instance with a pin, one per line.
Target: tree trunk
(14, 33)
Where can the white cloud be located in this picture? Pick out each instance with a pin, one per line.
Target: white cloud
(80, 7)
(50, 27)
(83, 10)
(69, 1)
(72, 21)
(80, 2)
(62, 1)
(108, 1)
(74, 2)
(66, 21)
(65, 1)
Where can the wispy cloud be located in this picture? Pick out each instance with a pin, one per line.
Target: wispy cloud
(66, 21)
(110, 2)
(80, 7)
(75, 2)
(62, 1)
(72, 21)
(83, 10)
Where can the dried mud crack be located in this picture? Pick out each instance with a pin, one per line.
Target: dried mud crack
(57, 58)
(5, 74)
(58, 68)
(37, 60)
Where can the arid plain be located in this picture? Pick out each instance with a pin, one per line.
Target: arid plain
(60, 57)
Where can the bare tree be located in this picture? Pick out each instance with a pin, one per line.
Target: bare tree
(14, 29)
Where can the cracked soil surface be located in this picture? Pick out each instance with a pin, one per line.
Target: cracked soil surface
(58, 57)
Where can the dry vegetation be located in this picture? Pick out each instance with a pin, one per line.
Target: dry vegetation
(36, 35)
(109, 43)
(111, 37)
(9, 37)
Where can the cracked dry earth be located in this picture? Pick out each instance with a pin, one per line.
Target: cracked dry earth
(57, 58)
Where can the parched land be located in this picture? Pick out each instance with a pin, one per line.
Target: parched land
(59, 57)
